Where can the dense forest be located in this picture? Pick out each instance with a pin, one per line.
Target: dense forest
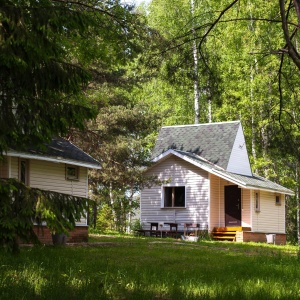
(107, 75)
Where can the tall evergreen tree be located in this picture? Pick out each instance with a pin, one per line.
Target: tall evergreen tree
(48, 53)
(46, 48)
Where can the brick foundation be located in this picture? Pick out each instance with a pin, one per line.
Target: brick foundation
(260, 237)
(77, 235)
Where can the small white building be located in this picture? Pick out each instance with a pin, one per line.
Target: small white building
(211, 184)
(60, 167)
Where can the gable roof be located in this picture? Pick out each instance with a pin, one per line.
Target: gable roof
(59, 150)
(222, 144)
(249, 182)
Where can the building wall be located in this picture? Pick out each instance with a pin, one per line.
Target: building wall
(77, 235)
(51, 176)
(4, 172)
(217, 203)
(239, 161)
(217, 215)
(246, 208)
(207, 190)
(181, 173)
(259, 237)
(271, 217)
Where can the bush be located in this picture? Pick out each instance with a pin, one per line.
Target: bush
(104, 219)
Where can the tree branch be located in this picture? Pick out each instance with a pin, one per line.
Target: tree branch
(216, 21)
(94, 8)
(294, 55)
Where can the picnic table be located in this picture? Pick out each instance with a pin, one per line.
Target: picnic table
(157, 230)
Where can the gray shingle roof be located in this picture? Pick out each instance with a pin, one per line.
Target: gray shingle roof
(60, 150)
(213, 141)
(60, 147)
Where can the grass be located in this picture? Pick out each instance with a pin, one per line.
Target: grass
(148, 268)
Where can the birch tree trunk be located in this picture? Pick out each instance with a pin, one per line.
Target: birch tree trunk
(111, 198)
(252, 72)
(196, 76)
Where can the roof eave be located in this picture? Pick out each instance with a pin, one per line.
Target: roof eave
(252, 187)
(53, 159)
(285, 192)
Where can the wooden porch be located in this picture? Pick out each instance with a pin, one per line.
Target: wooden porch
(227, 233)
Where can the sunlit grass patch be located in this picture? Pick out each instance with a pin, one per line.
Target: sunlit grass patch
(149, 268)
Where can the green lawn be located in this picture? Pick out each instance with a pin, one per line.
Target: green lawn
(150, 268)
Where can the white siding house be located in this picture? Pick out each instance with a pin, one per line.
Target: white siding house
(210, 183)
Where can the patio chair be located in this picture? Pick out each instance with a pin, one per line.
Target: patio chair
(154, 229)
(173, 230)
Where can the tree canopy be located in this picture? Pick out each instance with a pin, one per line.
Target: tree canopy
(47, 49)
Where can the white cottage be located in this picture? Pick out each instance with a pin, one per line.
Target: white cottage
(211, 184)
(60, 167)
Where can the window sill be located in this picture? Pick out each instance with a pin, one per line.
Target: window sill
(173, 207)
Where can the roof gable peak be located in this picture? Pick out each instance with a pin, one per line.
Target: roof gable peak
(212, 141)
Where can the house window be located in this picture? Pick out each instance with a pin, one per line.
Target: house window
(72, 173)
(257, 201)
(277, 200)
(174, 196)
(23, 171)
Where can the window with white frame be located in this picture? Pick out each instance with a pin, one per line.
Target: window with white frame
(173, 196)
(257, 201)
(72, 172)
(277, 200)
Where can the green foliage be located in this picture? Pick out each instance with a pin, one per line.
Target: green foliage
(136, 225)
(17, 210)
(48, 53)
(41, 84)
(59, 211)
(183, 64)
(104, 218)
(21, 206)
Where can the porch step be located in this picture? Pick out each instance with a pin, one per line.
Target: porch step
(225, 233)
(229, 238)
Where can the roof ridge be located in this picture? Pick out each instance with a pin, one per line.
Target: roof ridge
(202, 124)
